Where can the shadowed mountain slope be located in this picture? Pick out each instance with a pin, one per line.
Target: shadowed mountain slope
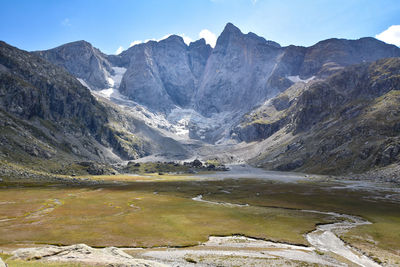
(347, 123)
(48, 116)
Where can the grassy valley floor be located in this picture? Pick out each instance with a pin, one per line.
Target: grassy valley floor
(155, 211)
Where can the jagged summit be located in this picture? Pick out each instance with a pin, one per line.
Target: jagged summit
(82, 60)
(230, 32)
(231, 29)
(201, 41)
(82, 44)
(174, 38)
(201, 94)
(76, 43)
(241, 72)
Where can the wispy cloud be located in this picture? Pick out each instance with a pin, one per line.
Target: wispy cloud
(210, 37)
(119, 50)
(66, 22)
(391, 35)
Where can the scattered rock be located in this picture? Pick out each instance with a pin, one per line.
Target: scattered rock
(84, 254)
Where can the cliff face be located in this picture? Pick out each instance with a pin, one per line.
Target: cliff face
(32, 87)
(244, 70)
(240, 73)
(237, 72)
(165, 74)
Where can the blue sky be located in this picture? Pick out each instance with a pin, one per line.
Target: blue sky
(111, 24)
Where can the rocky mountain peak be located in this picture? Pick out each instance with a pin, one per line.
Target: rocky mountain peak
(328, 56)
(241, 72)
(231, 29)
(260, 39)
(200, 42)
(252, 35)
(81, 43)
(233, 36)
(237, 73)
(230, 32)
(173, 39)
(199, 52)
(164, 74)
(84, 61)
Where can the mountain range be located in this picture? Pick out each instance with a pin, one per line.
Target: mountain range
(330, 108)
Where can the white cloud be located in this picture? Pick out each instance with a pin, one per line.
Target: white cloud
(119, 50)
(391, 35)
(66, 22)
(186, 39)
(210, 37)
(135, 43)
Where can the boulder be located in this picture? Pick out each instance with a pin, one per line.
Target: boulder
(197, 163)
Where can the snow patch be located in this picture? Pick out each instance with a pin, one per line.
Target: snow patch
(118, 74)
(180, 123)
(110, 81)
(115, 80)
(110, 94)
(185, 119)
(107, 92)
(296, 79)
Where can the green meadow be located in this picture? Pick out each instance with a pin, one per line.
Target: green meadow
(158, 210)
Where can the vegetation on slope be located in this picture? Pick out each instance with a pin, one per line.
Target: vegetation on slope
(349, 123)
(48, 118)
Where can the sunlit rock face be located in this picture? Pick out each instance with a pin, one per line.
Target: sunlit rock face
(237, 72)
(215, 86)
(244, 70)
(83, 61)
(240, 73)
(165, 74)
